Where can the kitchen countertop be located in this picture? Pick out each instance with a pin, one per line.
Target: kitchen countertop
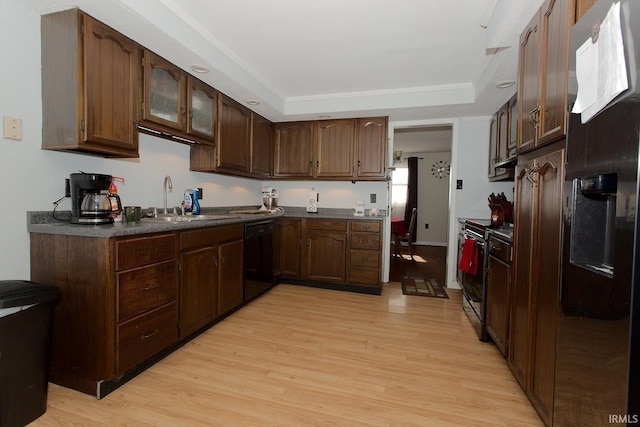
(43, 221)
(504, 232)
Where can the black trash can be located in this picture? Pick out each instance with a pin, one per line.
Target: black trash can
(26, 310)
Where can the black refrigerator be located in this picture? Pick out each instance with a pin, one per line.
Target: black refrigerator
(597, 379)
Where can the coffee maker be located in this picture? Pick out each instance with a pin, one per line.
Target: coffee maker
(90, 203)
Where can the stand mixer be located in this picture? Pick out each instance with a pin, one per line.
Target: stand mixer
(269, 199)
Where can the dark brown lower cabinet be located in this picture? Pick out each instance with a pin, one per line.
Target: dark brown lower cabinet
(333, 251)
(365, 243)
(118, 305)
(231, 276)
(499, 294)
(211, 275)
(326, 250)
(287, 244)
(537, 242)
(198, 288)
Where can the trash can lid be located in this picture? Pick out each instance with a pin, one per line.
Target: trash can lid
(15, 293)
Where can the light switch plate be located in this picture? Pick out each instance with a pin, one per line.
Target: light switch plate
(12, 128)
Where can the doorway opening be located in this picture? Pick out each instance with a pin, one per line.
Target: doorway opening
(431, 148)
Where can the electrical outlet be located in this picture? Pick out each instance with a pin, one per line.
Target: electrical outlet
(372, 197)
(426, 226)
(12, 128)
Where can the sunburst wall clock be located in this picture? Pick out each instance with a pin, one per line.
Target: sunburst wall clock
(440, 169)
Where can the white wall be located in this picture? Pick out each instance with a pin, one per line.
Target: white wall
(473, 152)
(331, 194)
(433, 201)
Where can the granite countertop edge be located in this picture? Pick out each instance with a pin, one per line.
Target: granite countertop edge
(44, 222)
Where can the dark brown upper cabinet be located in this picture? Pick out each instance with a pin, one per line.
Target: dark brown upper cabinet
(165, 93)
(500, 156)
(90, 81)
(293, 150)
(261, 146)
(234, 136)
(582, 6)
(341, 149)
(544, 62)
(175, 104)
(202, 105)
(334, 148)
(371, 148)
(243, 148)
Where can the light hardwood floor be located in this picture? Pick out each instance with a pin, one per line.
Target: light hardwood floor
(302, 356)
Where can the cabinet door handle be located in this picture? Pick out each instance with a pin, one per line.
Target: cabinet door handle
(149, 287)
(534, 116)
(149, 335)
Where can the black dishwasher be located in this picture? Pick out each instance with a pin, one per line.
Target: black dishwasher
(258, 259)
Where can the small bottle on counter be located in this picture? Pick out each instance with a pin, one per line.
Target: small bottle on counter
(195, 205)
(188, 202)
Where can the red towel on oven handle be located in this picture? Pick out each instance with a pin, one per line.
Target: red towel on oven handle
(469, 258)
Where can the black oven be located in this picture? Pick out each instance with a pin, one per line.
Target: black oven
(474, 285)
(258, 259)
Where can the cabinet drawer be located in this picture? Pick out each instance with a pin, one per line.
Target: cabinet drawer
(146, 335)
(326, 224)
(145, 288)
(208, 236)
(500, 249)
(366, 226)
(365, 241)
(144, 250)
(362, 258)
(364, 276)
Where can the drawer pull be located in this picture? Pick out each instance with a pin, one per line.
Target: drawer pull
(149, 335)
(148, 288)
(496, 248)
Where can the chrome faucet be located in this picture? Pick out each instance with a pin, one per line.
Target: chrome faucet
(167, 182)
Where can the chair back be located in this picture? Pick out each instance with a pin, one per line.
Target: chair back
(412, 224)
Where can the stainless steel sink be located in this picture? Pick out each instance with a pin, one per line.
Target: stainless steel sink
(188, 218)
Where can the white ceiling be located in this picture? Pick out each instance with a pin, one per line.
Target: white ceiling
(408, 59)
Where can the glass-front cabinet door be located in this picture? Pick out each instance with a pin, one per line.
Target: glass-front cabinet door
(202, 108)
(164, 93)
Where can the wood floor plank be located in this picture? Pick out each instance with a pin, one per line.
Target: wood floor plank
(302, 356)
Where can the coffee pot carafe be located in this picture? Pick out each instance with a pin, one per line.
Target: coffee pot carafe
(99, 204)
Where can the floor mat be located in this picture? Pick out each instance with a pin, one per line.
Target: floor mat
(422, 287)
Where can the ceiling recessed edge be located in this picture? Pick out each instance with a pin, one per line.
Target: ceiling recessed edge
(381, 100)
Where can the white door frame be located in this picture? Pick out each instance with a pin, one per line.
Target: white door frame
(452, 246)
